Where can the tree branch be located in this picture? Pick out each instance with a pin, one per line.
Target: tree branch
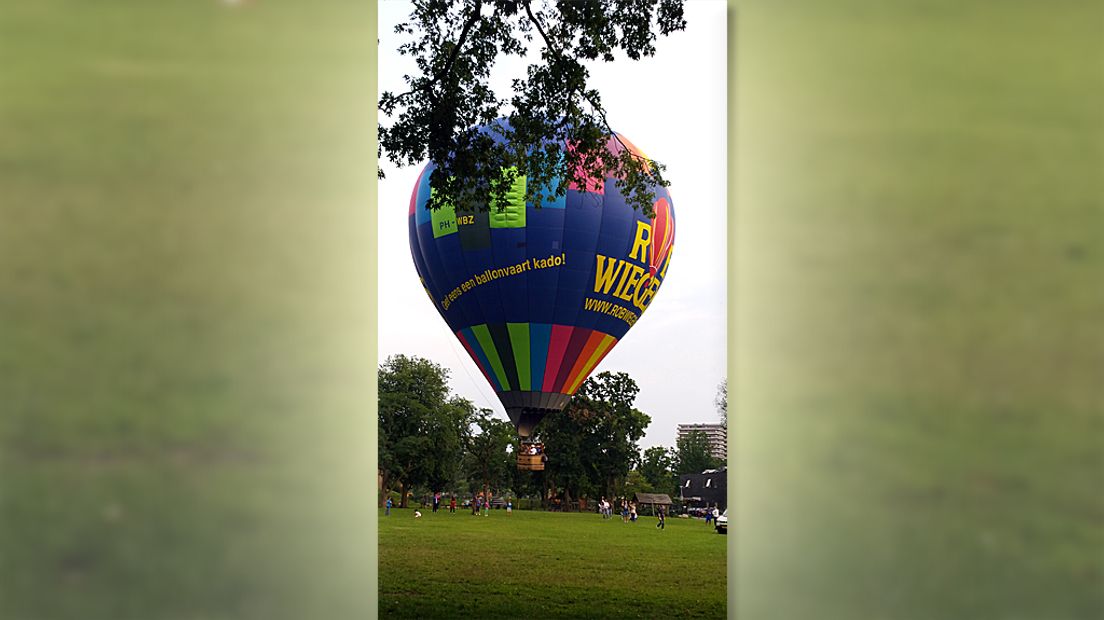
(468, 25)
(595, 106)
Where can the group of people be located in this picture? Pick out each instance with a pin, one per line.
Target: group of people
(480, 505)
(604, 508)
(628, 512)
(437, 500)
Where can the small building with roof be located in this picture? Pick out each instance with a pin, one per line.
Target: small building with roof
(709, 488)
(653, 500)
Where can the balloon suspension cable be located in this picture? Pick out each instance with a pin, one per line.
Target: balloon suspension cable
(460, 361)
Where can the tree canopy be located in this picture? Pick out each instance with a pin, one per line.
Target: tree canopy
(422, 428)
(692, 455)
(592, 443)
(487, 460)
(657, 466)
(558, 127)
(430, 440)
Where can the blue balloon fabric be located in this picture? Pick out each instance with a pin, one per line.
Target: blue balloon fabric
(539, 295)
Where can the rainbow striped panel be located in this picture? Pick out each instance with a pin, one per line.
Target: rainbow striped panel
(535, 356)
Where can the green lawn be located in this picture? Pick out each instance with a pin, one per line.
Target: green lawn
(535, 564)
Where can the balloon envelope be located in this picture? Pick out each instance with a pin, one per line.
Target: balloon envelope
(539, 295)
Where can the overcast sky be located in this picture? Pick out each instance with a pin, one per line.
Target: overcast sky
(671, 106)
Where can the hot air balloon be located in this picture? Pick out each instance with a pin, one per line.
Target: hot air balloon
(539, 295)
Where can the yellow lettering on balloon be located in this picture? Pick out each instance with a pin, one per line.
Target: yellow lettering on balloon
(642, 242)
(639, 295)
(606, 274)
(626, 269)
(633, 279)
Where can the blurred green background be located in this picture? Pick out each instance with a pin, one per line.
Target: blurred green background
(919, 310)
(186, 314)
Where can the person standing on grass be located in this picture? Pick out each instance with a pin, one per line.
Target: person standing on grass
(509, 507)
(661, 524)
(632, 512)
(387, 510)
(708, 514)
(452, 504)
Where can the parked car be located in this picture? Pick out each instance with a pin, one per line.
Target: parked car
(722, 522)
(696, 511)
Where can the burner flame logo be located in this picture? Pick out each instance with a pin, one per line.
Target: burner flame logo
(663, 235)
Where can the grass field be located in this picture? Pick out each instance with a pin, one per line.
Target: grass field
(535, 564)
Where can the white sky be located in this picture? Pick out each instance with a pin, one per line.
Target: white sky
(672, 106)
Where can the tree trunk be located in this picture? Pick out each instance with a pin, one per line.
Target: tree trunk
(402, 493)
(384, 487)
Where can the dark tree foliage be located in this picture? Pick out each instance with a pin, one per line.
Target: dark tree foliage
(455, 43)
(422, 429)
(657, 466)
(487, 462)
(692, 454)
(592, 443)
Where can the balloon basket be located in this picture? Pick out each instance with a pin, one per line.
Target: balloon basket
(531, 457)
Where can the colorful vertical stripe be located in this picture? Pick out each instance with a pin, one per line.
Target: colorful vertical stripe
(560, 336)
(589, 346)
(483, 336)
(579, 338)
(467, 338)
(540, 335)
(519, 343)
(535, 357)
(605, 345)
